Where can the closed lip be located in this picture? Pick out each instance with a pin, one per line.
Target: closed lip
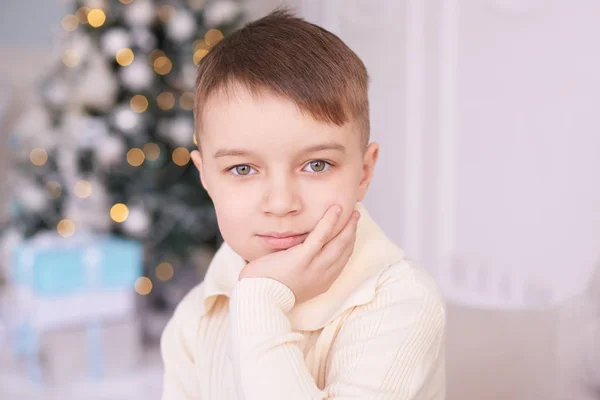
(282, 234)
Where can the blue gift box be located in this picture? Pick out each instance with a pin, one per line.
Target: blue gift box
(82, 280)
(51, 265)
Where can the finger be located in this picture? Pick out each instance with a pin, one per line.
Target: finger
(323, 231)
(335, 249)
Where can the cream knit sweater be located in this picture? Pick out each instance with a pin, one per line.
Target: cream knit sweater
(378, 332)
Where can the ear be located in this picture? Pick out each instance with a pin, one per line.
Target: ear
(369, 161)
(197, 159)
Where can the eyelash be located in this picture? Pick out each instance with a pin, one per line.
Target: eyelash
(231, 169)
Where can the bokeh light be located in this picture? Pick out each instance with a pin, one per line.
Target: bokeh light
(38, 157)
(96, 17)
(196, 4)
(195, 140)
(70, 58)
(83, 189)
(69, 22)
(119, 212)
(166, 12)
(154, 54)
(54, 189)
(162, 65)
(213, 36)
(139, 103)
(164, 271)
(181, 156)
(143, 286)
(126, 1)
(199, 55)
(65, 228)
(151, 151)
(165, 100)
(82, 14)
(124, 57)
(135, 157)
(186, 101)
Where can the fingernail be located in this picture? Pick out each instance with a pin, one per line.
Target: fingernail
(357, 215)
(338, 210)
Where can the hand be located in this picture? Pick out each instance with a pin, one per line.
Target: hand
(310, 268)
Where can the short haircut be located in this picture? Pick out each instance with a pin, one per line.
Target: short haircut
(286, 56)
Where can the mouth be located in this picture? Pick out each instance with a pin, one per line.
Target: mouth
(281, 241)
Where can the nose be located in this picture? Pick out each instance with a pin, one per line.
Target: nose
(281, 197)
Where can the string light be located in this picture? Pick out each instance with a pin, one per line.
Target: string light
(70, 58)
(69, 22)
(165, 100)
(135, 157)
(119, 212)
(82, 15)
(186, 101)
(164, 271)
(65, 228)
(83, 189)
(96, 17)
(181, 156)
(54, 189)
(124, 57)
(199, 55)
(139, 103)
(38, 157)
(213, 36)
(143, 286)
(151, 151)
(162, 65)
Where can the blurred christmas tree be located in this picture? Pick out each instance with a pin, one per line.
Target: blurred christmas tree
(106, 148)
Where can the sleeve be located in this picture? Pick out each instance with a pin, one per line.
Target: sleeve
(391, 348)
(178, 346)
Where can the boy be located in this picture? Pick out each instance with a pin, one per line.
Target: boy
(302, 301)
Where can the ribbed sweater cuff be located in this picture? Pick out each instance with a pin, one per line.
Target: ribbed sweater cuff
(257, 305)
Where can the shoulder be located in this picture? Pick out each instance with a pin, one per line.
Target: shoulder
(411, 297)
(185, 321)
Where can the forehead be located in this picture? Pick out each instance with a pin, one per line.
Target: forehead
(266, 122)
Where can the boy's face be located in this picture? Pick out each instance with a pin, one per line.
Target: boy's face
(272, 171)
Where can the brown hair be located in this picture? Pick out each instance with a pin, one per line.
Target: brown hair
(288, 56)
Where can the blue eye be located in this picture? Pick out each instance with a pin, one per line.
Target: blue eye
(318, 166)
(241, 170)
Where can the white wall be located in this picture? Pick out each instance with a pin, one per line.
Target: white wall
(487, 113)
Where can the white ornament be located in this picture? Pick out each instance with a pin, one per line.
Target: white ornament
(140, 13)
(189, 73)
(82, 45)
(93, 132)
(115, 40)
(137, 222)
(181, 26)
(143, 38)
(57, 92)
(181, 130)
(126, 119)
(98, 87)
(110, 150)
(32, 197)
(219, 12)
(137, 76)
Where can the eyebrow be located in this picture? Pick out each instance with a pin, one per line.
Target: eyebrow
(309, 149)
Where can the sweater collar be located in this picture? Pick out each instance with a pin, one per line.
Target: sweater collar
(356, 285)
